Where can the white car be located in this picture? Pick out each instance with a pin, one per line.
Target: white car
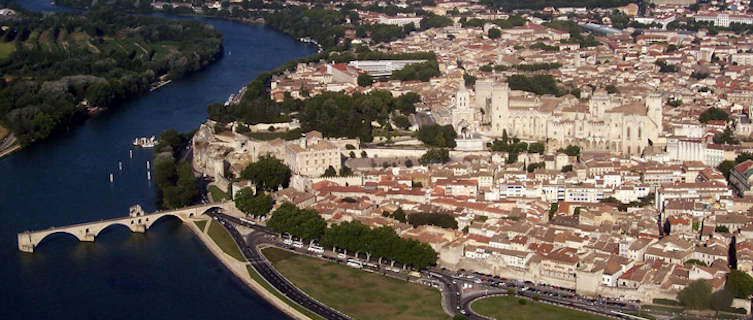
(288, 242)
(298, 244)
(341, 256)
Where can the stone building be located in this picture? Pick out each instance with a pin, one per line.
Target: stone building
(312, 155)
(605, 123)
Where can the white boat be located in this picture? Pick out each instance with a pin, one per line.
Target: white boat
(145, 142)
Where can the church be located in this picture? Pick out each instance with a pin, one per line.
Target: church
(605, 123)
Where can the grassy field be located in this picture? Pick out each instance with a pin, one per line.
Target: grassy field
(360, 294)
(6, 48)
(3, 132)
(504, 308)
(217, 194)
(220, 236)
(201, 224)
(258, 278)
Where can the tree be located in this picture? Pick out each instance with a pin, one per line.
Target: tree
(674, 102)
(437, 136)
(725, 137)
(611, 89)
(346, 171)
(713, 113)
(571, 150)
(696, 295)
(553, 209)
(443, 220)
(721, 300)
(401, 121)
(267, 173)
(469, 79)
(408, 163)
(743, 156)
(739, 283)
(538, 147)
(330, 172)
(435, 156)
(494, 33)
(721, 229)
(307, 224)
(725, 167)
(399, 215)
(256, 205)
(732, 253)
(667, 228)
(365, 80)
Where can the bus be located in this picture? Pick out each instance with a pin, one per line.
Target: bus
(371, 266)
(316, 249)
(354, 263)
(247, 221)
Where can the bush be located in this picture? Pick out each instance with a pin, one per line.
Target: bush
(539, 84)
(437, 136)
(417, 71)
(435, 156)
(697, 295)
(713, 113)
(430, 218)
(267, 173)
(740, 284)
(494, 33)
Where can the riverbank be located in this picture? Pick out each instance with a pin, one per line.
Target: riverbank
(242, 270)
(8, 142)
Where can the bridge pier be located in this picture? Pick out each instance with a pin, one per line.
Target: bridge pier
(139, 228)
(24, 242)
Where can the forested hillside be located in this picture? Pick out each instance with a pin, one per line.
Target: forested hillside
(57, 64)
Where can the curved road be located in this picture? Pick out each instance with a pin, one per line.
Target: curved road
(252, 254)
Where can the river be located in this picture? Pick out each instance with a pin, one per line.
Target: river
(164, 273)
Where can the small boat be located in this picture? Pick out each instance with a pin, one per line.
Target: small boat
(145, 142)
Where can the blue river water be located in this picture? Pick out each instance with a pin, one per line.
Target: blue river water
(164, 273)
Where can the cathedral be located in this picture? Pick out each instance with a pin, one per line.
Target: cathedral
(605, 123)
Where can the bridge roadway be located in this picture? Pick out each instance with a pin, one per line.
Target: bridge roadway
(136, 221)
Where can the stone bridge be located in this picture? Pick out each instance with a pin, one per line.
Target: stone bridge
(136, 221)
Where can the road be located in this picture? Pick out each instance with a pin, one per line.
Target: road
(459, 289)
(251, 252)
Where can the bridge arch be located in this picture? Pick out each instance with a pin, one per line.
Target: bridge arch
(149, 221)
(41, 240)
(110, 226)
(211, 208)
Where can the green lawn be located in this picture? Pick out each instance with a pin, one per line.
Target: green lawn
(220, 236)
(505, 307)
(6, 48)
(360, 294)
(201, 224)
(217, 194)
(255, 275)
